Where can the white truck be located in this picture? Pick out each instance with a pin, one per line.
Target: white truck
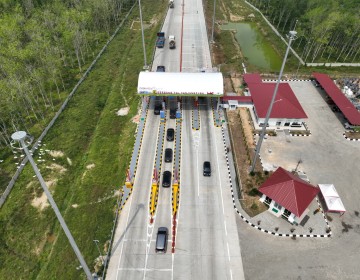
(172, 43)
(171, 3)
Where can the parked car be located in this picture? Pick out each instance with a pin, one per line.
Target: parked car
(315, 83)
(207, 168)
(161, 240)
(168, 155)
(166, 181)
(170, 134)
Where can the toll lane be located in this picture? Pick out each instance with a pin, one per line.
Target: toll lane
(129, 251)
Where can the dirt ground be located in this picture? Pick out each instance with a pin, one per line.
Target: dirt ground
(243, 146)
(241, 133)
(243, 150)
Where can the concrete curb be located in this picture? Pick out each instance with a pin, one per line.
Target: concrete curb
(350, 139)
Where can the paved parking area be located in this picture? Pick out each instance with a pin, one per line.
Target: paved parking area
(327, 157)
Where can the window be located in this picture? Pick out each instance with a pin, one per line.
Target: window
(268, 200)
(278, 123)
(295, 124)
(277, 205)
(286, 213)
(287, 124)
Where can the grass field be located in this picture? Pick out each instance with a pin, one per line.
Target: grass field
(94, 146)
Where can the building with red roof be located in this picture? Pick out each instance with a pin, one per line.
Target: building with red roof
(346, 107)
(287, 195)
(286, 110)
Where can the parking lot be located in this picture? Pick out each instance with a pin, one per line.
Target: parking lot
(326, 157)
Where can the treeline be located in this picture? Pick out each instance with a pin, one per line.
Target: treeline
(44, 46)
(328, 30)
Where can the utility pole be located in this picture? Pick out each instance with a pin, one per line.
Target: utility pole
(292, 37)
(213, 24)
(142, 35)
(21, 136)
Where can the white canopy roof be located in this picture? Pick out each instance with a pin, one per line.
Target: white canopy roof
(164, 83)
(332, 198)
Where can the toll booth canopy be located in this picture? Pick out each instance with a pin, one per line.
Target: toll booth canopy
(181, 84)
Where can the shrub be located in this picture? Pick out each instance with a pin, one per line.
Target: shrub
(254, 206)
(253, 192)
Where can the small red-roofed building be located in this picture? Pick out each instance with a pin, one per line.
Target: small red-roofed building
(287, 195)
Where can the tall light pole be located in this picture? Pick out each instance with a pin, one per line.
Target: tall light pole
(292, 37)
(142, 35)
(21, 136)
(97, 246)
(213, 24)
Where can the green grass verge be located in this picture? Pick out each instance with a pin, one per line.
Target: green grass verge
(33, 246)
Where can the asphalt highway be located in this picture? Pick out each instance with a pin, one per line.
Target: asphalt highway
(206, 241)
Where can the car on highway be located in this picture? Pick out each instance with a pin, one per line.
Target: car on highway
(161, 240)
(160, 68)
(166, 180)
(168, 155)
(172, 113)
(207, 168)
(157, 109)
(170, 134)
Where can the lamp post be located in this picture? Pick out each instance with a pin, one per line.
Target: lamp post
(97, 246)
(142, 35)
(213, 24)
(21, 137)
(292, 37)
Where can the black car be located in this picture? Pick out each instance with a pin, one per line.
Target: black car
(172, 113)
(161, 240)
(157, 109)
(207, 168)
(166, 181)
(170, 134)
(160, 68)
(168, 155)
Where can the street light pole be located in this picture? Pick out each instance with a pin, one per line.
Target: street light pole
(97, 246)
(213, 24)
(142, 35)
(20, 136)
(292, 37)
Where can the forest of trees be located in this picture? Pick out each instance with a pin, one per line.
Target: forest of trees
(328, 30)
(44, 46)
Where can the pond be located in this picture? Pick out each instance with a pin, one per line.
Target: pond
(254, 47)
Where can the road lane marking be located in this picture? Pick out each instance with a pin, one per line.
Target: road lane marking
(122, 243)
(150, 226)
(142, 269)
(172, 266)
(227, 244)
(221, 194)
(198, 177)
